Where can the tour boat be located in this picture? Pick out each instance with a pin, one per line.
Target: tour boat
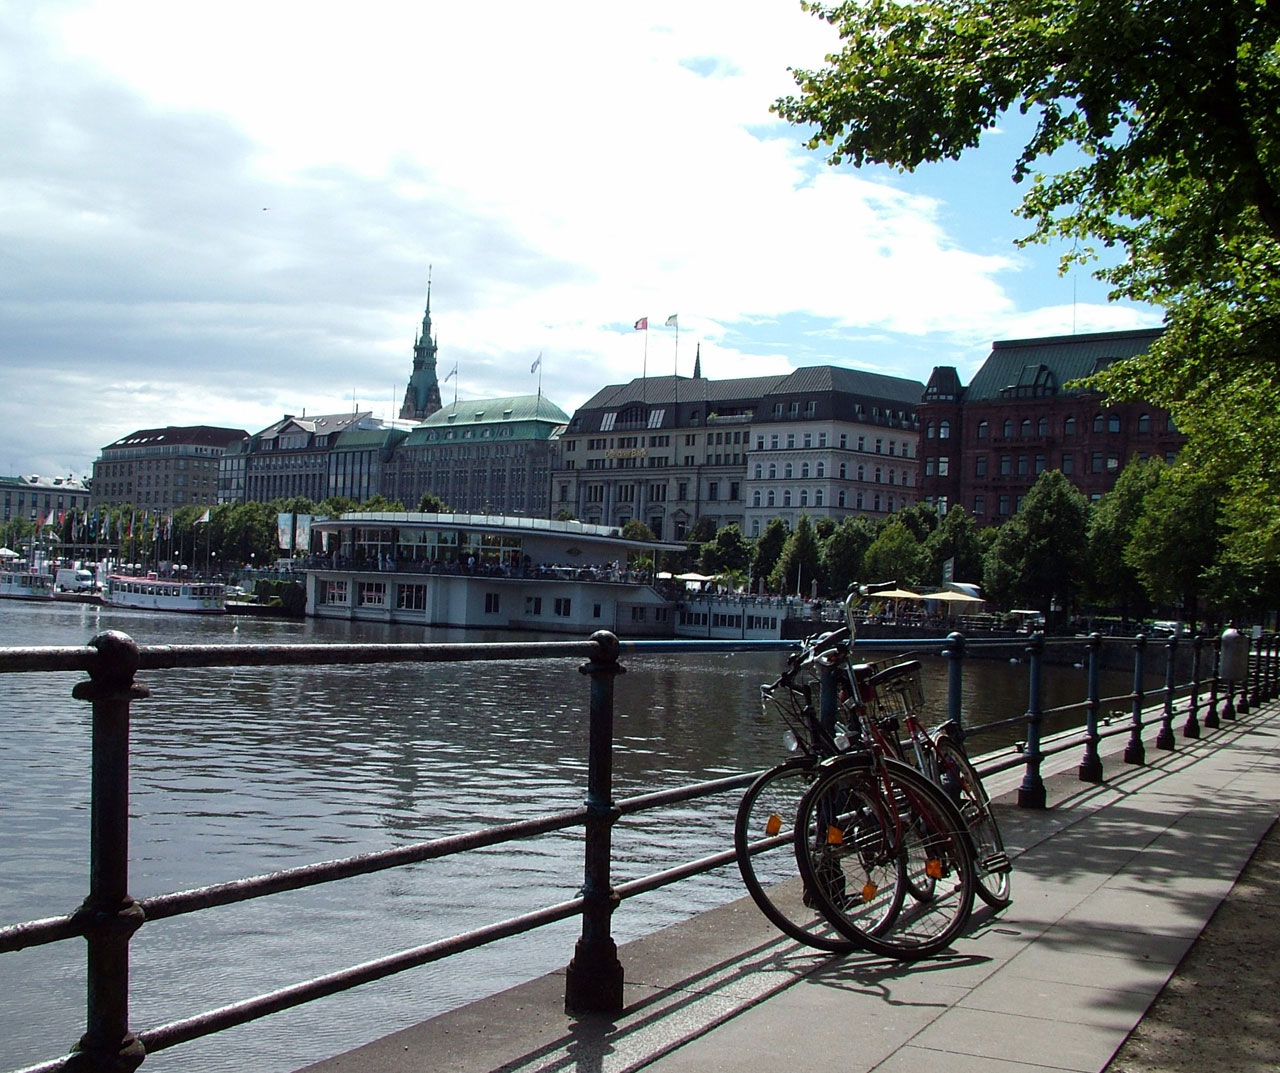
(152, 593)
(25, 585)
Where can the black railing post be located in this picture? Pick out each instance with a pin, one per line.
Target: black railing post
(1031, 794)
(954, 655)
(1192, 727)
(1211, 713)
(1273, 665)
(1134, 751)
(109, 914)
(1091, 765)
(1165, 738)
(1255, 697)
(593, 980)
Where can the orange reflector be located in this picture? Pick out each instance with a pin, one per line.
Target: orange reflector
(773, 825)
(835, 836)
(869, 892)
(933, 868)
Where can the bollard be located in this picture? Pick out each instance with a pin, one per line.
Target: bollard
(1211, 712)
(1192, 727)
(1031, 794)
(109, 914)
(1135, 752)
(593, 980)
(954, 655)
(1234, 647)
(1165, 739)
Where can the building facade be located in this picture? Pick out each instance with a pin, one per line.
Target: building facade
(983, 446)
(481, 456)
(163, 468)
(35, 498)
(422, 396)
(670, 450)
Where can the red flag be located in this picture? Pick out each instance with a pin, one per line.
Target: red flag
(642, 325)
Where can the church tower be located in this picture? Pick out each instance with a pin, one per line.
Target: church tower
(422, 396)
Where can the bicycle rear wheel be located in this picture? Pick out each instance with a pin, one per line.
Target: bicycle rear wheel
(869, 832)
(764, 836)
(991, 862)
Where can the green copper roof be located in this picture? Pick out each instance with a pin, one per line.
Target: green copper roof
(1018, 366)
(497, 411)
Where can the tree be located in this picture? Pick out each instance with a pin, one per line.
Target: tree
(896, 555)
(844, 551)
(920, 518)
(1169, 116)
(430, 503)
(1113, 582)
(1176, 540)
(799, 565)
(1038, 557)
(726, 553)
(380, 504)
(956, 538)
(768, 547)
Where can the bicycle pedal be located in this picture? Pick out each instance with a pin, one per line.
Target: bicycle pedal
(996, 862)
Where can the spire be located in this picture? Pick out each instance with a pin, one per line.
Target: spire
(422, 396)
(697, 364)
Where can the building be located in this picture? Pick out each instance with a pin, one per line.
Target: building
(316, 457)
(825, 441)
(481, 456)
(422, 396)
(35, 498)
(162, 469)
(983, 446)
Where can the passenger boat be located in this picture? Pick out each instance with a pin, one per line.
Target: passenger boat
(152, 593)
(25, 585)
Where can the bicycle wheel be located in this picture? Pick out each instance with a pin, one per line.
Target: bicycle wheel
(763, 835)
(868, 833)
(991, 863)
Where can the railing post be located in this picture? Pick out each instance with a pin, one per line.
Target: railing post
(1135, 752)
(593, 980)
(1255, 697)
(109, 914)
(954, 655)
(1273, 665)
(1191, 729)
(1091, 765)
(1211, 714)
(1031, 794)
(1165, 738)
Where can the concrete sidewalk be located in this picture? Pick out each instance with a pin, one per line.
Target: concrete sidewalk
(1112, 884)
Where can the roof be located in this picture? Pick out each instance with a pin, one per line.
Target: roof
(196, 435)
(895, 389)
(321, 424)
(667, 390)
(496, 411)
(1018, 366)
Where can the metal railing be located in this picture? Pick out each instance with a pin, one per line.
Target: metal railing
(109, 916)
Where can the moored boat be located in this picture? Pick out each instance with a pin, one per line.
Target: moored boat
(25, 585)
(152, 593)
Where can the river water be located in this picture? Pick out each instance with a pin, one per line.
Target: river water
(248, 771)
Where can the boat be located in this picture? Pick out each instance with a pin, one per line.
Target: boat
(151, 593)
(18, 584)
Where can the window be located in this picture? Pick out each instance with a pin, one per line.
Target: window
(982, 430)
(562, 606)
(759, 471)
(1022, 465)
(804, 497)
(1144, 423)
(928, 467)
(929, 431)
(1039, 464)
(786, 497)
(771, 501)
(492, 603)
(713, 490)
(844, 471)
(817, 497)
(333, 592)
(411, 597)
(842, 499)
(791, 440)
(371, 593)
(1068, 463)
(773, 470)
(1008, 427)
(879, 444)
(1042, 427)
(533, 605)
(944, 468)
(1069, 426)
(1004, 505)
(821, 469)
(1024, 430)
(979, 504)
(862, 473)
(1006, 465)
(804, 470)
(1095, 462)
(980, 465)
(755, 498)
(1097, 422)
(944, 431)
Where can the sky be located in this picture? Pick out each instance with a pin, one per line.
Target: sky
(221, 214)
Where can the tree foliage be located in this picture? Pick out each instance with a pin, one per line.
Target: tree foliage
(799, 565)
(726, 553)
(896, 555)
(844, 552)
(1168, 111)
(956, 538)
(768, 547)
(1112, 581)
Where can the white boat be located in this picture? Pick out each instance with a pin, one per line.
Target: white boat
(25, 585)
(152, 593)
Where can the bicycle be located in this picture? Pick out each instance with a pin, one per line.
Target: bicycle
(882, 700)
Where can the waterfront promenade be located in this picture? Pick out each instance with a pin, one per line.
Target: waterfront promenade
(1113, 883)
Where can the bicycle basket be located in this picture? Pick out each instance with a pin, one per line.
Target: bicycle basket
(895, 690)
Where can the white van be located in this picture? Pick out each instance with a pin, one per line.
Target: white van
(73, 580)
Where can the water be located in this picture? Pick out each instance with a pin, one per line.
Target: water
(248, 771)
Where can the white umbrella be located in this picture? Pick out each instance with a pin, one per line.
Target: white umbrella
(8, 553)
(958, 597)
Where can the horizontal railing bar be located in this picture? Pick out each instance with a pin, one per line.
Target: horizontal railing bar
(672, 875)
(41, 932)
(629, 806)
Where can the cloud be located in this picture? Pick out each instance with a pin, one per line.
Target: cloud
(225, 233)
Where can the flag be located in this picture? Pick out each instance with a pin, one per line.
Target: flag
(642, 325)
(204, 517)
(536, 362)
(452, 372)
(671, 321)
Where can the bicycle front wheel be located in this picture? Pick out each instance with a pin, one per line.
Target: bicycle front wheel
(869, 832)
(991, 862)
(764, 836)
